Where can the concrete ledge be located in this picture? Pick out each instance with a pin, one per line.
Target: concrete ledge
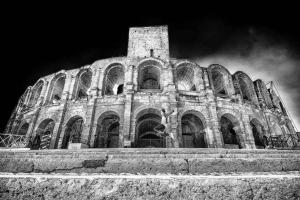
(163, 186)
(150, 161)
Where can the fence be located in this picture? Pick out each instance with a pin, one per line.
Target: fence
(151, 143)
(284, 141)
(13, 141)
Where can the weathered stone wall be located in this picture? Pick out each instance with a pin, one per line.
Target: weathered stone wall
(143, 40)
(151, 161)
(150, 174)
(182, 93)
(68, 186)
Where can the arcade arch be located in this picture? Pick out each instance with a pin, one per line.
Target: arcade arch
(108, 130)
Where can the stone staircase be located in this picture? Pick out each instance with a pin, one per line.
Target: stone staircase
(150, 174)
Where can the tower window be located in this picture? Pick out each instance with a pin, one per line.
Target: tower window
(151, 52)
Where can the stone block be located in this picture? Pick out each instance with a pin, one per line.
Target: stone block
(77, 146)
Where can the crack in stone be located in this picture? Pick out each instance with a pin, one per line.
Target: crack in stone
(56, 170)
(188, 165)
(85, 164)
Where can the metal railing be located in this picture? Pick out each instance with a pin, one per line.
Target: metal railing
(151, 143)
(284, 141)
(13, 141)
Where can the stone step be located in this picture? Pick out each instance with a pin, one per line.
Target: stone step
(270, 185)
(149, 161)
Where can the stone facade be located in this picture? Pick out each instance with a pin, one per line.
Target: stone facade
(116, 102)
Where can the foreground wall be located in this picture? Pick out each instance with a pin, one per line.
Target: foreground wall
(154, 161)
(68, 186)
(150, 174)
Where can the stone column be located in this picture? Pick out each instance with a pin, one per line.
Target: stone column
(128, 106)
(43, 92)
(206, 79)
(169, 86)
(95, 82)
(88, 126)
(100, 82)
(46, 93)
(198, 80)
(33, 121)
(27, 95)
(214, 134)
(57, 132)
(88, 132)
(69, 85)
(248, 135)
(173, 120)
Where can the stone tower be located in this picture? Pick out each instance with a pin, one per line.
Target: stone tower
(149, 42)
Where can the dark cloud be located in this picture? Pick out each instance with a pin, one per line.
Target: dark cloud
(266, 57)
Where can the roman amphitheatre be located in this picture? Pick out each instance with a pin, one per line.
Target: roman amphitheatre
(229, 137)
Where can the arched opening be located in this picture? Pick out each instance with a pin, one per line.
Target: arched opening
(263, 93)
(23, 129)
(84, 80)
(221, 80)
(245, 90)
(185, 78)
(58, 87)
(35, 93)
(150, 78)
(73, 131)
(149, 75)
(146, 136)
(193, 135)
(257, 131)
(229, 130)
(218, 83)
(247, 87)
(108, 130)
(114, 78)
(45, 129)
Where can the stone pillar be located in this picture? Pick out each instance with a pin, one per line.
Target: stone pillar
(42, 96)
(135, 72)
(33, 121)
(95, 82)
(27, 95)
(248, 135)
(128, 106)
(58, 137)
(46, 93)
(198, 79)
(167, 77)
(214, 135)
(169, 86)
(173, 121)
(206, 79)
(88, 126)
(100, 83)
(89, 130)
(69, 84)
